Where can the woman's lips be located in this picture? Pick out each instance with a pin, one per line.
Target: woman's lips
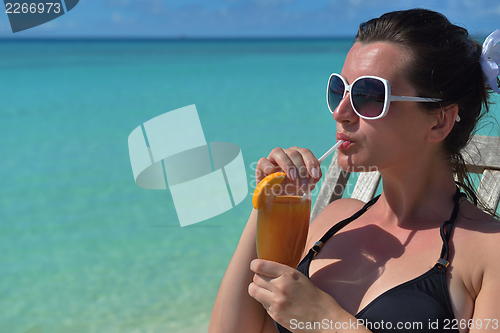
(347, 141)
(346, 144)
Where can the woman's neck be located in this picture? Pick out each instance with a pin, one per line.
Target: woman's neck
(418, 194)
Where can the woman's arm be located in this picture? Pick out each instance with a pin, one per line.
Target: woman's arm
(486, 315)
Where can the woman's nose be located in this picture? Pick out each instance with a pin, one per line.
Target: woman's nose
(344, 111)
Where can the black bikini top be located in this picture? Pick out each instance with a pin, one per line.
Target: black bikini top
(420, 305)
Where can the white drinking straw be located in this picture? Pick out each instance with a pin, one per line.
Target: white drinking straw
(331, 150)
(307, 195)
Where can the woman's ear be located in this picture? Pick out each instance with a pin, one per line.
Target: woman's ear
(443, 124)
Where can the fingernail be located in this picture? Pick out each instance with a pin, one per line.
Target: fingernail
(304, 183)
(315, 172)
(293, 174)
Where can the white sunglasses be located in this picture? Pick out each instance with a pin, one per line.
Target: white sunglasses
(370, 96)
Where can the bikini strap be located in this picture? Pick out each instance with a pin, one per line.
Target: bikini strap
(445, 231)
(333, 230)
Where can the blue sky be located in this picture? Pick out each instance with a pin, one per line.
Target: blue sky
(243, 18)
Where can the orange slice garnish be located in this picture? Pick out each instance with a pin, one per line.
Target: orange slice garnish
(264, 191)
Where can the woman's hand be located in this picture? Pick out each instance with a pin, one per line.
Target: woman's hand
(300, 165)
(289, 297)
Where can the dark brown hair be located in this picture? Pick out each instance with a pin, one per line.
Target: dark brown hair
(446, 66)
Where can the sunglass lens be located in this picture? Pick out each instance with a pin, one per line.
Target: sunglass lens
(368, 97)
(335, 92)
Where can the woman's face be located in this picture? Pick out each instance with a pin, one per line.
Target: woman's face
(394, 140)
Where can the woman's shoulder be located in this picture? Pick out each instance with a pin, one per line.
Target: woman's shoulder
(476, 223)
(476, 230)
(336, 211)
(476, 239)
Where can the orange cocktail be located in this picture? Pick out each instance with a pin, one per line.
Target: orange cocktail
(282, 227)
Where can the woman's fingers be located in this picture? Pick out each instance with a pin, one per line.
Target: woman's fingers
(262, 288)
(282, 158)
(300, 165)
(268, 268)
(264, 168)
(258, 292)
(307, 165)
(283, 291)
(312, 166)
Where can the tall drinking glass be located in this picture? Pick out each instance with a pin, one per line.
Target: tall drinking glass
(282, 226)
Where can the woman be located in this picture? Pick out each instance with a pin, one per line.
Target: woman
(378, 271)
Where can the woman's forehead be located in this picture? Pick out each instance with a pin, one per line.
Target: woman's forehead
(383, 59)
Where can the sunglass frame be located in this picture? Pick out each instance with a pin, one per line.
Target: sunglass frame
(388, 98)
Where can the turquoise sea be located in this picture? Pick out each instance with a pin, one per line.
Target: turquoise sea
(82, 247)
